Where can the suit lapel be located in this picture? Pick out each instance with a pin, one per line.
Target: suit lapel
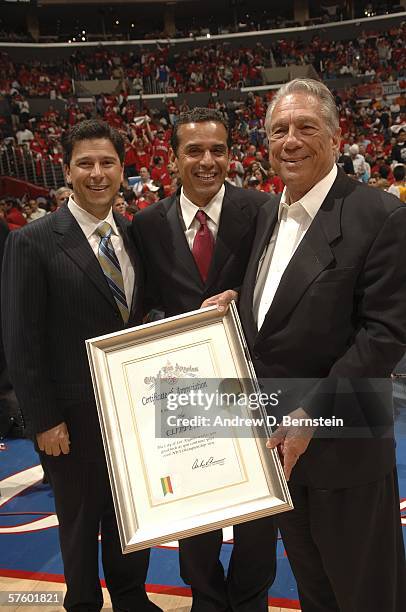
(233, 226)
(176, 244)
(266, 222)
(74, 243)
(312, 256)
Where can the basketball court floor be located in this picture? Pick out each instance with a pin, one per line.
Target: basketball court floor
(29, 553)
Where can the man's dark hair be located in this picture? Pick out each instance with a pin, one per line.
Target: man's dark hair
(89, 129)
(199, 114)
(399, 172)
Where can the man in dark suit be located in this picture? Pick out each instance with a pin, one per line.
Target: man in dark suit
(70, 276)
(196, 243)
(7, 405)
(166, 230)
(324, 299)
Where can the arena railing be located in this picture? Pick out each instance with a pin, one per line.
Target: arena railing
(23, 164)
(348, 26)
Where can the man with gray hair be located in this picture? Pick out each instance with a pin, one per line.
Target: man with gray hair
(323, 306)
(358, 161)
(62, 195)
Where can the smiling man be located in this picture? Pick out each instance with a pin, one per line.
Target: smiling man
(71, 276)
(324, 298)
(196, 244)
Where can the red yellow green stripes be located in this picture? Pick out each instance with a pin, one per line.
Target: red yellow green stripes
(166, 485)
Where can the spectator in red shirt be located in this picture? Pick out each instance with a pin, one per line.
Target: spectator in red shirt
(275, 181)
(250, 157)
(149, 196)
(130, 159)
(159, 172)
(142, 154)
(14, 217)
(160, 146)
(263, 184)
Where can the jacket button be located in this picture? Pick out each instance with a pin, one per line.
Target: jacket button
(257, 355)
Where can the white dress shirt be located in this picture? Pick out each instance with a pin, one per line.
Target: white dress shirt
(89, 224)
(38, 214)
(293, 222)
(212, 210)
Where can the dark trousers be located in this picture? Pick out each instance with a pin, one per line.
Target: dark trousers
(250, 574)
(345, 547)
(84, 507)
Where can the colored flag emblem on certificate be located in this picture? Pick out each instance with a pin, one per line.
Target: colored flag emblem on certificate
(166, 485)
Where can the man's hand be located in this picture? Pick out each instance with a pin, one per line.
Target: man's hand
(54, 441)
(291, 441)
(221, 300)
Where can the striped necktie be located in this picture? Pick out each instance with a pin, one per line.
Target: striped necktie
(111, 268)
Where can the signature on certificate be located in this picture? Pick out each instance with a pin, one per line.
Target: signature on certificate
(204, 463)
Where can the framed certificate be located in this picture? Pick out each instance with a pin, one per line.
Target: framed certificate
(181, 459)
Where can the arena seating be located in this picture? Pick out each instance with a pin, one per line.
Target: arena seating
(372, 105)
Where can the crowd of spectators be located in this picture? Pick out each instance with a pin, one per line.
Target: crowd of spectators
(34, 78)
(211, 67)
(17, 212)
(373, 147)
(373, 133)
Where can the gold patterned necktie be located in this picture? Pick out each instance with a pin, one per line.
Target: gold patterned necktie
(111, 268)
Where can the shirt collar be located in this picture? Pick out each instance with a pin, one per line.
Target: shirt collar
(212, 209)
(89, 223)
(314, 198)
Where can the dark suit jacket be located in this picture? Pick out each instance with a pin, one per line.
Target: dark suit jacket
(339, 312)
(54, 297)
(174, 282)
(4, 232)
